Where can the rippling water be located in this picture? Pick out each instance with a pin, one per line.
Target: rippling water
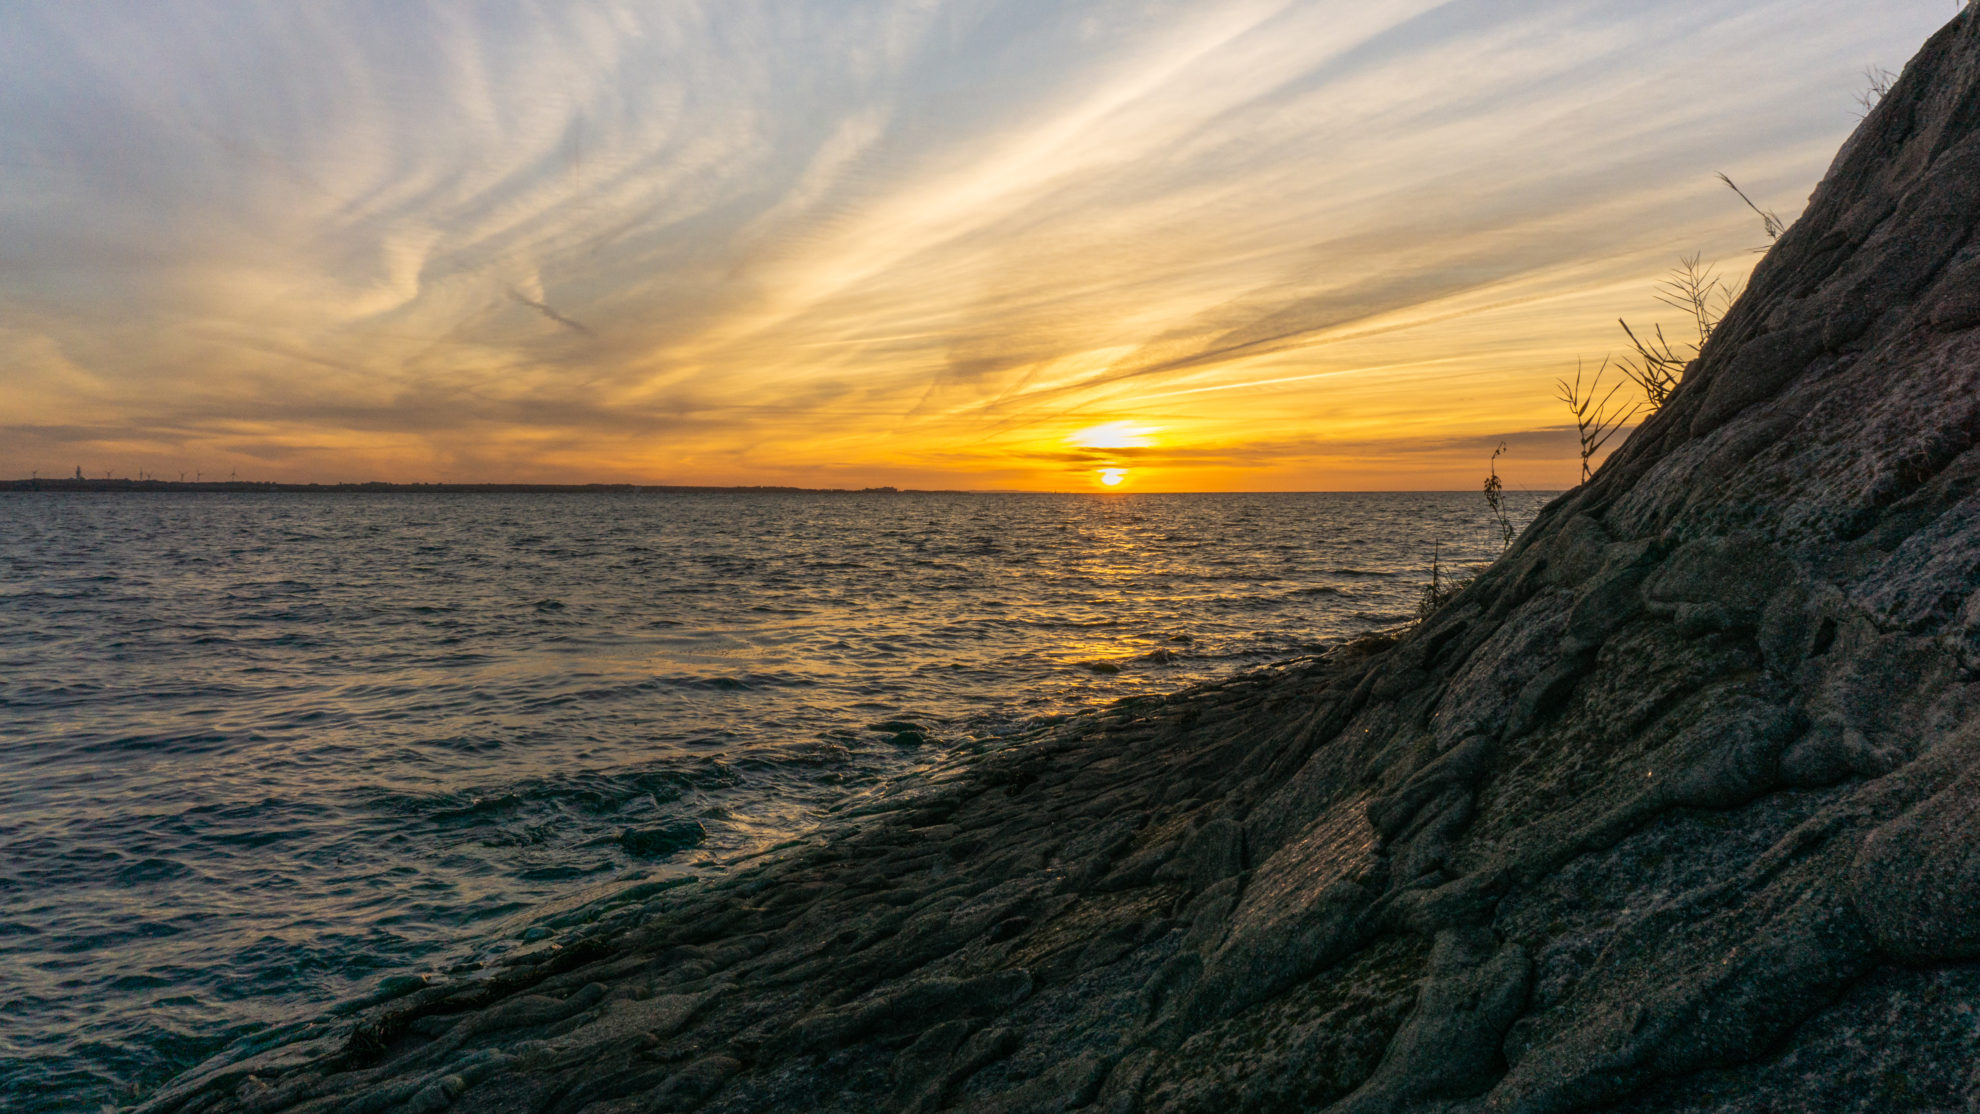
(259, 753)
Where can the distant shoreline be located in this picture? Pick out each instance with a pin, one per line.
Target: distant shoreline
(259, 487)
(382, 488)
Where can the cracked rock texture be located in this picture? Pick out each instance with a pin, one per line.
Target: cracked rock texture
(1676, 808)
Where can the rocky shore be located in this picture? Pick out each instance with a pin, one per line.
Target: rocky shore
(1676, 808)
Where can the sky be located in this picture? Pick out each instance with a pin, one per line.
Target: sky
(1189, 246)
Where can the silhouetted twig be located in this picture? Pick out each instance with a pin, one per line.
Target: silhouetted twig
(1878, 83)
(1768, 218)
(1495, 499)
(1594, 416)
(1657, 366)
(1441, 588)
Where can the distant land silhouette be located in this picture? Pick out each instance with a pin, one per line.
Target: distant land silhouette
(380, 488)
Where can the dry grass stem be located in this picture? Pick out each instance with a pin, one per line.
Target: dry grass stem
(1877, 83)
(1596, 416)
(1769, 219)
(1442, 587)
(1495, 498)
(1655, 365)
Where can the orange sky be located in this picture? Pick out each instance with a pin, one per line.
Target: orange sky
(1212, 245)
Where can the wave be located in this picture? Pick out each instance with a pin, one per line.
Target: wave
(588, 792)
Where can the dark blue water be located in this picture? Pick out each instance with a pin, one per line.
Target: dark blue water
(259, 753)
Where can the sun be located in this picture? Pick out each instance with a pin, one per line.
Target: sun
(1113, 477)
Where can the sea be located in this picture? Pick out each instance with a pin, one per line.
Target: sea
(264, 756)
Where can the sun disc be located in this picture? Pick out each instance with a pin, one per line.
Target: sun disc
(1112, 477)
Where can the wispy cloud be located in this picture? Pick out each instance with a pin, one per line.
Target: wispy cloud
(914, 241)
(549, 313)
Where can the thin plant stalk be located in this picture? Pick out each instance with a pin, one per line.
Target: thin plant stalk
(1656, 366)
(1495, 499)
(1769, 220)
(1596, 416)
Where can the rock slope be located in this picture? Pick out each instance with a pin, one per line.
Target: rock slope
(1677, 808)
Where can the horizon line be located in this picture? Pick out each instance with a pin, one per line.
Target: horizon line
(124, 484)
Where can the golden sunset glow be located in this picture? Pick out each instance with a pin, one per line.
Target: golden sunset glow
(1115, 435)
(1113, 477)
(1244, 244)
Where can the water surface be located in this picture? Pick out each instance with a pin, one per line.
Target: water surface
(258, 753)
